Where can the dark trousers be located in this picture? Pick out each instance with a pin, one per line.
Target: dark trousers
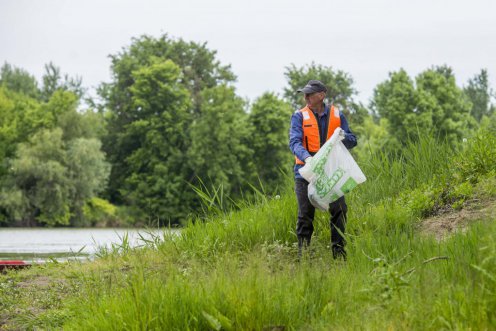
(306, 213)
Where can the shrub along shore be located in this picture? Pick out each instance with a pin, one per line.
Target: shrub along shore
(238, 269)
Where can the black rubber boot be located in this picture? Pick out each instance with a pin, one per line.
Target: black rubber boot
(303, 243)
(338, 210)
(338, 252)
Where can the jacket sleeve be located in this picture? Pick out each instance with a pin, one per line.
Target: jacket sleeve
(350, 139)
(296, 137)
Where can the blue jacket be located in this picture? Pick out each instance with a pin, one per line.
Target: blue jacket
(296, 135)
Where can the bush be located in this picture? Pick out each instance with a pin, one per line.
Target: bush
(100, 212)
(422, 201)
(477, 158)
(460, 194)
(486, 187)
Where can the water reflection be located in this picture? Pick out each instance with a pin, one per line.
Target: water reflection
(61, 244)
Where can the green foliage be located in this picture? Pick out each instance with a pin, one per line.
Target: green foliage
(478, 156)
(199, 68)
(166, 98)
(460, 194)
(8, 130)
(20, 117)
(87, 173)
(98, 211)
(398, 282)
(154, 142)
(479, 93)
(269, 121)
(372, 136)
(221, 156)
(387, 281)
(61, 104)
(52, 82)
(449, 108)
(19, 81)
(489, 122)
(395, 100)
(51, 159)
(237, 269)
(170, 118)
(50, 179)
(486, 187)
(424, 200)
(339, 85)
(81, 124)
(388, 173)
(469, 173)
(39, 173)
(434, 106)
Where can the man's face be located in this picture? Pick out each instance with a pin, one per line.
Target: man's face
(314, 99)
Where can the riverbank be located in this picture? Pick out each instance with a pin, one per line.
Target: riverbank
(422, 283)
(239, 270)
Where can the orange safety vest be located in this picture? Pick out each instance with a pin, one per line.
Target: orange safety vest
(311, 135)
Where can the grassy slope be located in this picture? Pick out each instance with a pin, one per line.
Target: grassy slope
(238, 270)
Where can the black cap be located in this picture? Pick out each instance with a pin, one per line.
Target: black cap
(313, 86)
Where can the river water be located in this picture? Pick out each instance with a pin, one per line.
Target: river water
(35, 244)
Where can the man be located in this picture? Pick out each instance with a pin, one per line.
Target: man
(311, 127)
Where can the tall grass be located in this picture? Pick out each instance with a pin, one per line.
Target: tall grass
(237, 269)
(270, 220)
(388, 175)
(384, 284)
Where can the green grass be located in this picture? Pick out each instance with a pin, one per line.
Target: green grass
(383, 284)
(238, 269)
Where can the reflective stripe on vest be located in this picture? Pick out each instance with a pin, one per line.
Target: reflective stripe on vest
(311, 134)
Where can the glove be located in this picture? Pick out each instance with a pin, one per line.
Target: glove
(341, 133)
(308, 159)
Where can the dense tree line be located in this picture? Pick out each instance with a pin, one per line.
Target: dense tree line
(170, 124)
(51, 163)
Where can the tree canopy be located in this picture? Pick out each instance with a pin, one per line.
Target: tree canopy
(433, 104)
(170, 128)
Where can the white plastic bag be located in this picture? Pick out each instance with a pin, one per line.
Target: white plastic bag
(331, 172)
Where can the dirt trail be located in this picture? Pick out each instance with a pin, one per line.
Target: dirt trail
(458, 220)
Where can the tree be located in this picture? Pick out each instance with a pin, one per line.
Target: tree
(18, 80)
(434, 106)
(87, 172)
(153, 144)
(339, 85)
(198, 70)
(52, 81)
(8, 128)
(39, 180)
(479, 93)
(269, 121)
(448, 107)
(219, 154)
(373, 138)
(51, 159)
(20, 117)
(489, 123)
(396, 100)
(49, 180)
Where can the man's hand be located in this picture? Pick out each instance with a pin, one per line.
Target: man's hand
(308, 159)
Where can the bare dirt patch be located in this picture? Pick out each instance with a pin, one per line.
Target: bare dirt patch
(39, 282)
(443, 225)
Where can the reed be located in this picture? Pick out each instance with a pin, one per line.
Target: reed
(237, 269)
